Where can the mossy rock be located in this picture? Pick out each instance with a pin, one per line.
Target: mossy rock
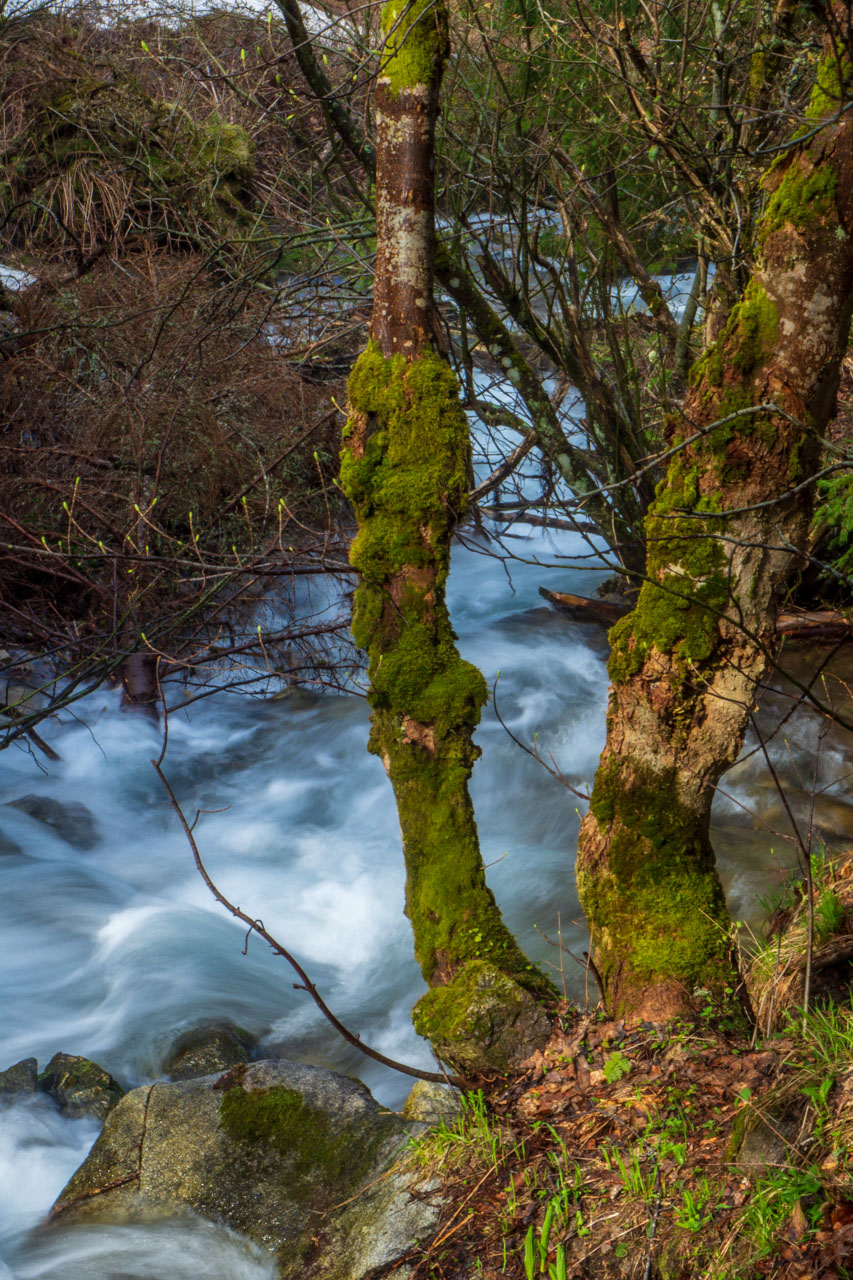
(18, 1080)
(206, 1050)
(482, 1021)
(762, 1138)
(299, 1159)
(431, 1103)
(79, 1086)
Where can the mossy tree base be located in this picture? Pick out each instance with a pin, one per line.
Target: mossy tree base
(722, 535)
(482, 1022)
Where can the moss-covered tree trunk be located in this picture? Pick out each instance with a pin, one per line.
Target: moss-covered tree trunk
(722, 536)
(405, 467)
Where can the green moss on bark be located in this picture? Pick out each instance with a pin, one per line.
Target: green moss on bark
(679, 605)
(408, 482)
(749, 337)
(405, 467)
(416, 42)
(481, 1020)
(453, 912)
(804, 197)
(828, 89)
(658, 910)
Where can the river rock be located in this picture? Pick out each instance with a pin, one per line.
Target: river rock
(206, 1050)
(69, 819)
(8, 847)
(80, 1086)
(301, 1160)
(18, 1080)
(431, 1103)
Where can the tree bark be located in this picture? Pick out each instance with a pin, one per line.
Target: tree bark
(723, 535)
(405, 467)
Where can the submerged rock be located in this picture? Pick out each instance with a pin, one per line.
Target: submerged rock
(69, 819)
(19, 1079)
(8, 847)
(80, 1086)
(299, 1159)
(207, 1049)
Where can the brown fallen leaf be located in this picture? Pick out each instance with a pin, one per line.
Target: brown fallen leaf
(799, 1221)
(841, 1214)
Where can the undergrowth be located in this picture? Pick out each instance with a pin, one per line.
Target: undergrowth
(673, 1152)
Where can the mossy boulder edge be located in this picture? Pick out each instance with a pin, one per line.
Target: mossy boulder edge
(299, 1159)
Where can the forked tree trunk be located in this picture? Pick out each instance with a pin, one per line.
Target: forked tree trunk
(405, 468)
(723, 534)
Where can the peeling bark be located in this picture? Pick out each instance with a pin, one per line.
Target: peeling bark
(723, 535)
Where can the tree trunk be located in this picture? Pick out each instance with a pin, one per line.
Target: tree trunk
(405, 467)
(723, 535)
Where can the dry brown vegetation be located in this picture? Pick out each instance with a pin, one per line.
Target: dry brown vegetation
(166, 455)
(152, 437)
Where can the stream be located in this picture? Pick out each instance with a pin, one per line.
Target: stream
(113, 946)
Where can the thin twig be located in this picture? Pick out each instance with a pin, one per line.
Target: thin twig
(555, 772)
(305, 983)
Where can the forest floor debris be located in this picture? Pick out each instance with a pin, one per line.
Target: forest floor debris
(665, 1152)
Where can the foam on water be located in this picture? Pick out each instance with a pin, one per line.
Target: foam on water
(39, 1150)
(185, 1250)
(114, 950)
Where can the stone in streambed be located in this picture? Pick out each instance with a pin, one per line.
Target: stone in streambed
(8, 847)
(19, 1080)
(299, 1159)
(207, 1049)
(69, 819)
(79, 1086)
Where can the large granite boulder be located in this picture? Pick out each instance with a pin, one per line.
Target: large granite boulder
(299, 1159)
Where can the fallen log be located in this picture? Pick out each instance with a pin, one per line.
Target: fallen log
(586, 608)
(793, 624)
(523, 516)
(813, 624)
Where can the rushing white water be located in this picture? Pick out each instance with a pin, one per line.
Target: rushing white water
(113, 946)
